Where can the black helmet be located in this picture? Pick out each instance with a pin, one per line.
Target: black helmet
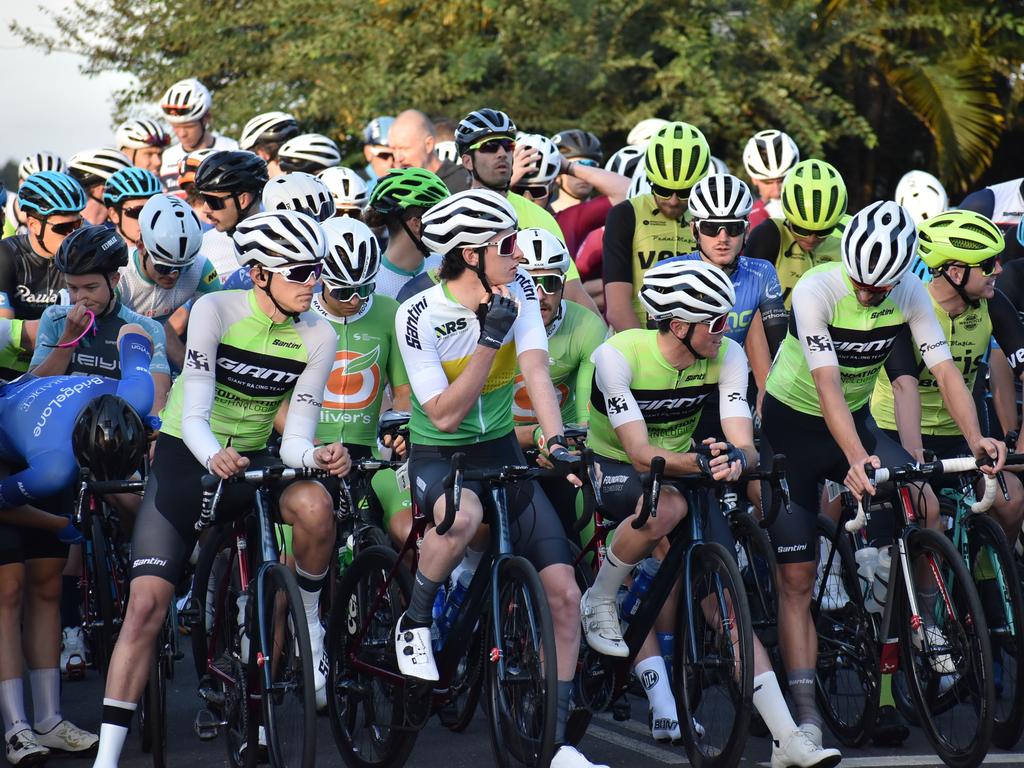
(109, 439)
(481, 124)
(232, 171)
(576, 142)
(91, 250)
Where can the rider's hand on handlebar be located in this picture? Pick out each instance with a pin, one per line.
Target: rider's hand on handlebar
(396, 444)
(720, 467)
(857, 479)
(992, 451)
(334, 458)
(227, 462)
(560, 458)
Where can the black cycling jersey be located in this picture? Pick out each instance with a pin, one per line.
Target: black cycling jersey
(1011, 283)
(29, 283)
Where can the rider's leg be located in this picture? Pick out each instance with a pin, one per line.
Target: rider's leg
(306, 506)
(12, 700)
(41, 633)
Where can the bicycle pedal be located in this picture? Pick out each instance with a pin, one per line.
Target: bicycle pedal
(417, 705)
(621, 710)
(212, 697)
(206, 725)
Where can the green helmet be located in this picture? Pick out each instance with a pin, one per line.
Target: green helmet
(963, 237)
(813, 195)
(677, 157)
(407, 188)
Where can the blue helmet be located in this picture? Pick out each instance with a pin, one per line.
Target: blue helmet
(131, 184)
(3, 195)
(48, 193)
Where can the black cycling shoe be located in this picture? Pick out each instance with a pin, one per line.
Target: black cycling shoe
(889, 729)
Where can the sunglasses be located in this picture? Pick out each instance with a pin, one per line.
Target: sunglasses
(383, 154)
(65, 228)
(355, 213)
(215, 203)
(491, 146)
(167, 269)
(717, 325)
(298, 273)
(875, 289)
(533, 190)
(506, 245)
(667, 192)
(987, 267)
(550, 284)
(175, 110)
(349, 292)
(801, 232)
(133, 213)
(712, 228)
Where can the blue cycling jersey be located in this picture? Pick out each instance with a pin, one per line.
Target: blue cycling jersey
(38, 414)
(757, 288)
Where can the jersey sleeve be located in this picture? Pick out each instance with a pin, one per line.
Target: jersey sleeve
(924, 326)
(983, 201)
(1008, 331)
(612, 377)
(774, 316)
(7, 277)
(417, 344)
(902, 360)
(208, 280)
(764, 242)
(812, 310)
(47, 335)
(198, 380)
(528, 330)
(136, 384)
(297, 444)
(617, 245)
(591, 335)
(732, 383)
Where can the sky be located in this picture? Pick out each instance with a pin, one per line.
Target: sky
(57, 108)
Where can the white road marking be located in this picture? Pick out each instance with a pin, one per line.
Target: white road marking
(886, 761)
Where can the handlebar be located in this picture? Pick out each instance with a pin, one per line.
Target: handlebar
(213, 485)
(116, 486)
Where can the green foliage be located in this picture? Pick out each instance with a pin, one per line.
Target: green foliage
(855, 81)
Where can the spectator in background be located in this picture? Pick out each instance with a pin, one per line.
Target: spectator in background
(379, 157)
(413, 139)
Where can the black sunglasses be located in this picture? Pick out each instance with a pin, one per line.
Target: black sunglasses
(712, 228)
(801, 232)
(166, 269)
(133, 213)
(491, 146)
(65, 228)
(214, 203)
(534, 190)
(987, 267)
(667, 192)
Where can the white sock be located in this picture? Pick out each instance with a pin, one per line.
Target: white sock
(45, 698)
(772, 707)
(310, 585)
(654, 678)
(611, 576)
(12, 707)
(117, 716)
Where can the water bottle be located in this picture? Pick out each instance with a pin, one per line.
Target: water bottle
(642, 579)
(867, 563)
(243, 642)
(667, 647)
(453, 604)
(345, 555)
(880, 585)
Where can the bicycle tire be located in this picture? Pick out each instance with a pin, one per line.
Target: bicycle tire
(211, 548)
(523, 706)
(103, 636)
(758, 568)
(592, 691)
(153, 708)
(468, 683)
(1006, 632)
(961, 692)
(366, 712)
(697, 677)
(847, 679)
(288, 691)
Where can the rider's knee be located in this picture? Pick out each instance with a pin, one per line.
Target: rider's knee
(671, 509)
(12, 587)
(145, 610)
(310, 506)
(795, 580)
(564, 599)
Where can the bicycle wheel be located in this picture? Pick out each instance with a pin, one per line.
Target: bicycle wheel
(214, 556)
(289, 701)
(153, 708)
(365, 689)
(713, 663)
(522, 681)
(102, 633)
(755, 558)
(847, 676)
(594, 680)
(995, 574)
(945, 651)
(467, 684)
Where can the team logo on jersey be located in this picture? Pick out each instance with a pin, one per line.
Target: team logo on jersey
(355, 380)
(522, 408)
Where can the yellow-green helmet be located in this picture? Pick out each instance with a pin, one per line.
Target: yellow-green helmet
(963, 237)
(677, 157)
(813, 196)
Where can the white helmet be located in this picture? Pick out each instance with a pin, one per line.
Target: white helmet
(171, 231)
(353, 254)
(347, 187)
(769, 154)
(639, 185)
(94, 166)
(625, 161)
(879, 243)
(693, 291)
(720, 196)
(140, 134)
(644, 131)
(300, 192)
(921, 194)
(467, 219)
(268, 127)
(186, 101)
(718, 166)
(542, 250)
(550, 164)
(40, 161)
(276, 238)
(310, 152)
(447, 151)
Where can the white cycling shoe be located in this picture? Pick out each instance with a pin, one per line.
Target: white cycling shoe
(414, 653)
(570, 757)
(941, 663)
(798, 750)
(320, 664)
(600, 617)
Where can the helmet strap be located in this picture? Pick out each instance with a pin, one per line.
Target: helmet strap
(293, 316)
(412, 236)
(959, 287)
(110, 300)
(687, 340)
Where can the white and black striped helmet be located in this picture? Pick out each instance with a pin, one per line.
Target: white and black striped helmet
(542, 250)
(141, 133)
(300, 192)
(625, 161)
(310, 152)
(550, 164)
(171, 231)
(276, 127)
(467, 219)
(479, 125)
(447, 151)
(40, 161)
(186, 101)
(879, 243)
(94, 166)
(347, 187)
(693, 291)
(353, 254)
(720, 196)
(769, 155)
(276, 238)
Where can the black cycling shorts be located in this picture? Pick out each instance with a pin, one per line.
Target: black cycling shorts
(18, 544)
(812, 456)
(535, 529)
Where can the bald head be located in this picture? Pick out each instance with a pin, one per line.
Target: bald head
(412, 139)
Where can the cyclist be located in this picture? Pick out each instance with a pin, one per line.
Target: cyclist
(348, 189)
(15, 220)
(52, 204)
(91, 168)
(186, 106)
(248, 351)
(265, 134)
(398, 202)
(187, 183)
(652, 227)
(807, 234)
(16, 341)
(229, 185)
(40, 419)
(921, 194)
(309, 153)
(125, 194)
(463, 338)
(1003, 203)
(640, 135)
(845, 320)
(585, 148)
(379, 157)
(768, 157)
(412, 138)
(143, 142)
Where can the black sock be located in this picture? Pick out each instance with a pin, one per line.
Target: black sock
(564, 695)
(421, 603)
